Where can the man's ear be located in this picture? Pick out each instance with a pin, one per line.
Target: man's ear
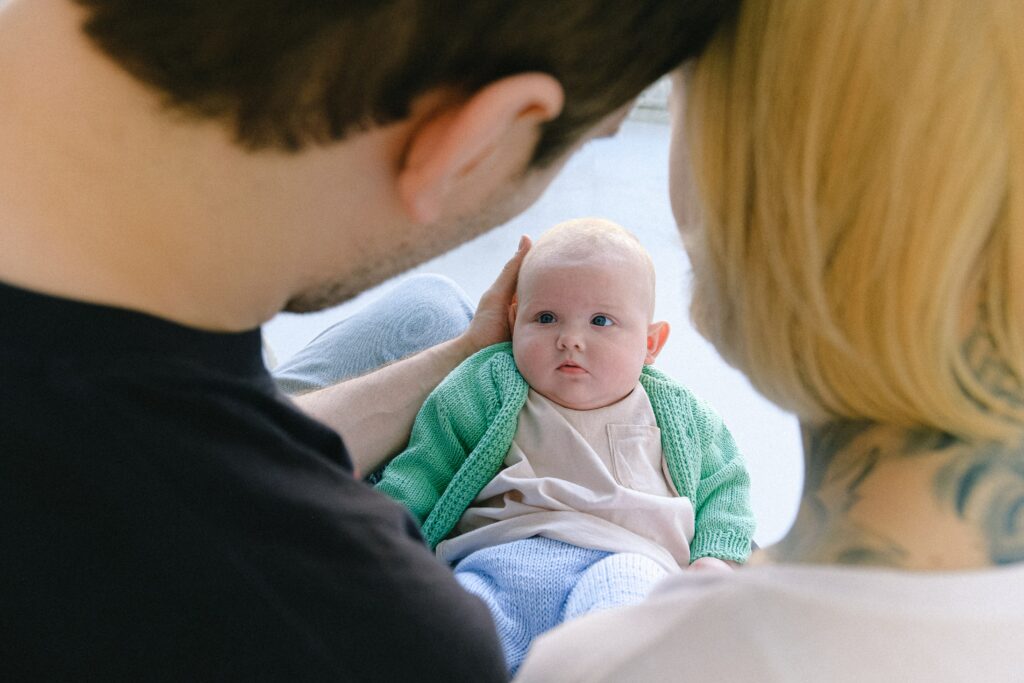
(657, 335)
(494, 124)
(513, 309)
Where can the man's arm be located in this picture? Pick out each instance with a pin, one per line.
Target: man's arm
(375, 412)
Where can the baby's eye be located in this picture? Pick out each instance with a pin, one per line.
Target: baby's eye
(546, 318)
(601, 321)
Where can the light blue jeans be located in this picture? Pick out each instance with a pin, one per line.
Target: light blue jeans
(417, 313)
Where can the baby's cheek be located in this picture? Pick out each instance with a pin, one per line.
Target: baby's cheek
(525, 354)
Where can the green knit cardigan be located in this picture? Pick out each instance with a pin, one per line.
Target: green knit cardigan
(465, 428)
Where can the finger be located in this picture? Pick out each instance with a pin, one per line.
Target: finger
(512, 265)
(506, 282)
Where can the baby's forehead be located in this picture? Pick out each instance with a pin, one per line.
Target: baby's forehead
(623, 281)
(616, 263)
(617, 251)
(589, 242)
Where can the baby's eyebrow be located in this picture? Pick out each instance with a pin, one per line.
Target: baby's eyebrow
(609, 308)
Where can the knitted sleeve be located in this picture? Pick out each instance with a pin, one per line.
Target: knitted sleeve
(705, 466)
(448, 426)
(724, 524)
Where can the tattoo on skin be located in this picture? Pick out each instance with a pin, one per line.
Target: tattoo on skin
(986, 489)
(991, 371)
(985, 486)
(980, 485)
(841, 456)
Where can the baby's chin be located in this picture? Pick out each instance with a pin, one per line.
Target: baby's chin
(584, 404)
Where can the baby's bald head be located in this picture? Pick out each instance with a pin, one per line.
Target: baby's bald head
(591, 240)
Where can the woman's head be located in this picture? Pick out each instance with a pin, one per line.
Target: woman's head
(859, 168)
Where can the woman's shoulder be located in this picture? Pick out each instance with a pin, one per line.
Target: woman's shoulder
(788, 622)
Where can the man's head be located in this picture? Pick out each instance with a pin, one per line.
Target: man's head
(267, 154)
(582, 319)
(286, 74)
(857, 246)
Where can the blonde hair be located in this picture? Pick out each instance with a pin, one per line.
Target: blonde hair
(860, 166)
(584, 239)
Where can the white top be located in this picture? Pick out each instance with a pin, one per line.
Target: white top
(799, 623)
(594, 478)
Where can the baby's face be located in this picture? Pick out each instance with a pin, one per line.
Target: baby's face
(580, 330)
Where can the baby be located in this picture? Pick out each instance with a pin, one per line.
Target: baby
(561, 473)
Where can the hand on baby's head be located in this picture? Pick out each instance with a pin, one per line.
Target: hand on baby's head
(582, 328)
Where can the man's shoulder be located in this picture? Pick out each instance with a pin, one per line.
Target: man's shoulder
(146, 496)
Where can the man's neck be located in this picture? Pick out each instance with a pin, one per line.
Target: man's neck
(912, 499)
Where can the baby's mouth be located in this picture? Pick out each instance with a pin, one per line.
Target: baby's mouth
(571, 368)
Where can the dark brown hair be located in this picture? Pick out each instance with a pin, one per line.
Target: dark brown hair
(288, 73)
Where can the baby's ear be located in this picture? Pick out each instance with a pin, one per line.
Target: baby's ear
(513, 308)
(657, 335)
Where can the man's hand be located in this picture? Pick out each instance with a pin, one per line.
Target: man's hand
(490, 322)
(375, 412)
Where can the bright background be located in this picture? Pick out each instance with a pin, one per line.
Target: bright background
(625, 179)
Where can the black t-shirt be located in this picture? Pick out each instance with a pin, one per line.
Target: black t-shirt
(166, 514)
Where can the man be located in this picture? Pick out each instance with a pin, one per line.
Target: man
(173, 175)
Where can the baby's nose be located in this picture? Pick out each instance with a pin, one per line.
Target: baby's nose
(570, 339)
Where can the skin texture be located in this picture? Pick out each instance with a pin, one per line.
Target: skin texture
(582, 329)
(887, 495)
